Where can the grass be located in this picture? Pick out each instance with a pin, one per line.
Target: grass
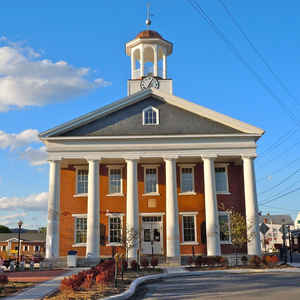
(98, 291)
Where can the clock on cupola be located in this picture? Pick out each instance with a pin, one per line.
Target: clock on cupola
(148, 53)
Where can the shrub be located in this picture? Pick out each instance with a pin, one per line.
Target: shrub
(275, 259)
(223, 261)
(134, 265)
(144, 262)
(255, 260)
(154, 262)
(267, 260)
(244, 259)
(3, 279)
(191, 260)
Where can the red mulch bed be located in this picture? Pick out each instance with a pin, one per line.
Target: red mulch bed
(34, 276)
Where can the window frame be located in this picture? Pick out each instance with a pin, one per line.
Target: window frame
(187, 166)
(25, 248)
(189, 214)
(156, 167)
(222, 165)
(115, 167)
(78, 216)
(114, 215)
(77, 194)
(157, 115)
(224, 213)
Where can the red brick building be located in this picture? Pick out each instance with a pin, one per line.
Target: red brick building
(150, 163)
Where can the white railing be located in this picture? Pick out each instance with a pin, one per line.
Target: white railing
(148, 71)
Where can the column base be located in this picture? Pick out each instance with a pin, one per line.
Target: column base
(173, 261)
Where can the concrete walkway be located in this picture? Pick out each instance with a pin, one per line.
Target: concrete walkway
(43, 289)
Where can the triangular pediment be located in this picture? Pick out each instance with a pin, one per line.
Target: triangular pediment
(176, 117)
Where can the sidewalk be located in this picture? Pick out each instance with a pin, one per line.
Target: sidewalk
(43, 289)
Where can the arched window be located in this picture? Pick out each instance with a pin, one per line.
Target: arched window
(150, 116)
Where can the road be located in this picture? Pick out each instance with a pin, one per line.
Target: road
(266, 286)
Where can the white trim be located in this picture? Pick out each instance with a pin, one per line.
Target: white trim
(157, 115)
(156, 193)
(79, 215)
(187, 166)
(116, 167)
(224, 213)
(80, 195)
(114, 215)
(79, 245)
(159, 214)
(223, 165)
(151, 165)
(77, 168)
(171, 99)
(191, 214)
(114, 244)
(187, 193)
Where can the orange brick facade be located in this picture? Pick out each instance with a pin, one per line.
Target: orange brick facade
(70, 205)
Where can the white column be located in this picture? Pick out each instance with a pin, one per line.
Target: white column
(132, 65)
(251, 207)
(132, 206)
(52, 239)
(164, 66)
(211, 208)
(142, 62)
(172, 226)
(93, 216)
(155, 60)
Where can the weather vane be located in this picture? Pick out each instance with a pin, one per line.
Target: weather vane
(148, 20)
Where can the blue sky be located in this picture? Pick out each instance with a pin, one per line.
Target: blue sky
(61, 59)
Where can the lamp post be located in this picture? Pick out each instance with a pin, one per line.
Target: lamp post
(20, 223)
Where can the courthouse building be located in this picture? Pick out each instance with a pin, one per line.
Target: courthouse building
(152, 163)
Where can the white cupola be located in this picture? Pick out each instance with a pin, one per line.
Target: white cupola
(148, 53)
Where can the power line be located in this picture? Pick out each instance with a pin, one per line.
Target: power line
(281, 208)
(281, 196)
(236, 52)
(278, 184)
(258, 53)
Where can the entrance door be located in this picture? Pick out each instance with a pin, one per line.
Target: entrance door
(152, 235)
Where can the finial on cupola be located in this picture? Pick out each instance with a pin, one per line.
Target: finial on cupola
(148, 20)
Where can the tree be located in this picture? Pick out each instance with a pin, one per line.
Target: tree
(4, 229)
(130, 239)
(237, 229)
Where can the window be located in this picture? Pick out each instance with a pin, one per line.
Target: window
(36, 248)
(16, 247)
(3, 248)
(189, 229)
(150, 116)
(221, 179)
(115, 180)
(82, 181)
(115, 229)
(150, 181)
(224, 222)
(187, 179)
(25, 248)
(80, 230)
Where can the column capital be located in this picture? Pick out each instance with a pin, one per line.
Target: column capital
(56, 160)
(131, 158)
(92, 158)
(209, 156)
(249, 156)
(170, 157)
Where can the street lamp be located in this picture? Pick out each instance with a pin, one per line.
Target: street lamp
(20, 223)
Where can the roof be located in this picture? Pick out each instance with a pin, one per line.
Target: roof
(28, 236)
(168, 98)
(277, 219)
(148, 34)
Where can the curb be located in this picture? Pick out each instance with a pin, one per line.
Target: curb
(134, 285)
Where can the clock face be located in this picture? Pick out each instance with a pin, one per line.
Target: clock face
(149, 82)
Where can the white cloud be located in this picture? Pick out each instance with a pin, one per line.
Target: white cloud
(16, 140)
(34, 202)
(36, 157)
(28, 80)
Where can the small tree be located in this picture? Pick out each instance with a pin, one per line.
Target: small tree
(237, 230)
(130, 239)
(4, 229)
